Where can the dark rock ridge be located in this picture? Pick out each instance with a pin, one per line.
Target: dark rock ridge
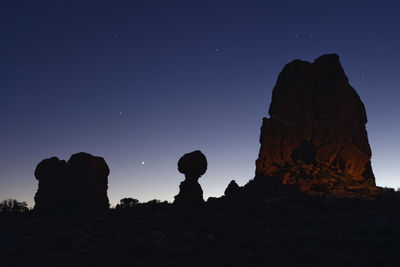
(79, 184)
(193, 165)
(315, 138)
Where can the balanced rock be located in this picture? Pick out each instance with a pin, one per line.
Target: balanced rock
(315, 138)
(193, 165)
(79, 184)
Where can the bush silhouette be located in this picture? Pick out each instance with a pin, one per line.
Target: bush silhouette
(127, 203)
(13, 206)
(154, 201)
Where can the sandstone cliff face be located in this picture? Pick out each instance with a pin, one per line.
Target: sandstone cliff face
(315, 137)
(79, 184)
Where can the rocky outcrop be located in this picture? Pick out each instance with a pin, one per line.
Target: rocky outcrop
(193, 165)
(232, 190)
(79, 184)
(315, 138)
(54, 187)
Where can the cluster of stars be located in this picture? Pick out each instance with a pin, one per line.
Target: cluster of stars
(311, 35)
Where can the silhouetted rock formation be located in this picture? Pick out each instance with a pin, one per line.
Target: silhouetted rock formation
(193, 165)
(315, 138)
(54, 189)
(79, 184)
(232, 190)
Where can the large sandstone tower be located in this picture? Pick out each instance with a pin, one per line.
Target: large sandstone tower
(315, 138)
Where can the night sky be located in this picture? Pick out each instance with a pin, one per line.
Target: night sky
(140, 83)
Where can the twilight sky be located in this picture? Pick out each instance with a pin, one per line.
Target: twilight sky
(146, 81)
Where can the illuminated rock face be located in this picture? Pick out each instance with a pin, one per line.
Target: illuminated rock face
(315, 137)
(79, 184)
(193, 165)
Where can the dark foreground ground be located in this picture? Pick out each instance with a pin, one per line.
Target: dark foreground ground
(276, 232)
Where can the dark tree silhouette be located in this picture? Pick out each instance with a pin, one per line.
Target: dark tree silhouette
(155, 201)
(13, 206)
(126, 203)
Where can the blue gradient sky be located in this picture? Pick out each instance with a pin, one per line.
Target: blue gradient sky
(135, 81)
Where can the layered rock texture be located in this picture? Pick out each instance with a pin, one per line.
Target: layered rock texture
(315, 138)
(79, 184)
(193, 165)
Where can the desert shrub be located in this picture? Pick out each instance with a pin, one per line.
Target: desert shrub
(13, 206)
(126, 203)
(153, 201)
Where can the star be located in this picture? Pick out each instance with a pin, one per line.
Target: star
(142, 162)
(216, 49)
(120, 113)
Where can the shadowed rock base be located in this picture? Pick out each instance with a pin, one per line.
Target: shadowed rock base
(190, 193)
